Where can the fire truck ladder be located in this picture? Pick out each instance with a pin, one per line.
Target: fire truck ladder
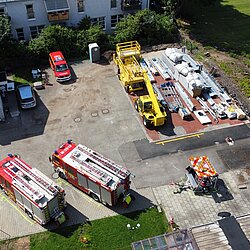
(41, 182)
(92, 170)
(34, 194)
(108, 164)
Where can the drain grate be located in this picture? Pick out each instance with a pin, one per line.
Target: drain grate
(94, 114)
(77, 119)
(105, 111)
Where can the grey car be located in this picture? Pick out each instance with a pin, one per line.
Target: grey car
(26, 96)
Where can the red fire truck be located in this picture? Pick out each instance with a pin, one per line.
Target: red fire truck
(33, 191)
(101, 178)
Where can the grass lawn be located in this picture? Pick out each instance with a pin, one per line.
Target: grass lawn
(225, 24)
(108, 233)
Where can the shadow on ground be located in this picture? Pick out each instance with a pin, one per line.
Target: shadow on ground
(29, 123)
(222, 26)
(74, 217)
(222, 193)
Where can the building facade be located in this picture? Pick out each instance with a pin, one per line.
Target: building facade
(29, 17)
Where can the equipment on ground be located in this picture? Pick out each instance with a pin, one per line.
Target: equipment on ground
(127, 57)
(133, 78)
(101, 178)
(201, 175)
(41, 198)
(149, 107)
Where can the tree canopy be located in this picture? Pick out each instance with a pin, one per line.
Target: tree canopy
(147, 27)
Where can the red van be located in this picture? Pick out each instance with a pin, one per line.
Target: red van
(59, 66)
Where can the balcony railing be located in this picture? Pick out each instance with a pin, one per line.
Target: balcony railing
(58, 16)
(127, 5)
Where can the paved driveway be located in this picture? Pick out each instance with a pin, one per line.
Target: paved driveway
(94, 110)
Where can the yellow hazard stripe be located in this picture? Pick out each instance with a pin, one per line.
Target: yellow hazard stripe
(20, 211)
(179, 138)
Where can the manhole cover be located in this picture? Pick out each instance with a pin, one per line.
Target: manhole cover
(94, 114)
(105, 111)
(77, 119)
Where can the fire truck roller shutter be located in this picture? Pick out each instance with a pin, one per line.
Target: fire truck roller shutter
(106, 196)
(18, 197)
(28, 207)
(52, 204)
(82, 181)
(95, 190)
(37, 212)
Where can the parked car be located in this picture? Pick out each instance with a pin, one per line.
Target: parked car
(26, 96)
(60, 67)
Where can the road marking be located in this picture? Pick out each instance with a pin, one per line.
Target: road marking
(20, 211)
(180, 138)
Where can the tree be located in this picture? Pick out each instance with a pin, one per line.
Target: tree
(52, 38)
(85, 23)
(147, 27)
(178, 7)
(5, 28)
(94, 34)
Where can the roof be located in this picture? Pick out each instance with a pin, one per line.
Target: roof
(56, 5)
(25, 91)
(93, 164)
(27, 180)
(182, 239)
(58, 57)
(227, 233)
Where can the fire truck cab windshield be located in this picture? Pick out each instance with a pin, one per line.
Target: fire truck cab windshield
(61, 67)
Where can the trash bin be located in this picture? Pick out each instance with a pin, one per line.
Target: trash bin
(94, 52)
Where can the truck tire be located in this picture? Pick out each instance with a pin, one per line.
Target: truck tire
(126, 89)
(136, 106)
(62, 175)
(95, 197)
(146, 122)
(29, 214)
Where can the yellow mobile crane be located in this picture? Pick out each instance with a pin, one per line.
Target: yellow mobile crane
(133, 78)
(129, 70)
(149, 107)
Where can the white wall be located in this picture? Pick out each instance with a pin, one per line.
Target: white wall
(93, 8)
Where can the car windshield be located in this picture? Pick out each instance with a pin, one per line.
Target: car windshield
(61, 67)
(26, 93)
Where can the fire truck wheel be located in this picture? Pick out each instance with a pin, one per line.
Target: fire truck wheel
(126, 89)
(95, 197)
(62, 175)
(29, 214)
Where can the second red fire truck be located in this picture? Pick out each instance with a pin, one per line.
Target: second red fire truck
(41, 198)
(101, 178)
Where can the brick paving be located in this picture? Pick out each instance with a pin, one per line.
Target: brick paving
(190, 210)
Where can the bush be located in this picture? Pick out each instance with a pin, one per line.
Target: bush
(53, 38)
(147, 27)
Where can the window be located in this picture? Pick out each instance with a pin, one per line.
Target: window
(30, 11)
(115, 19)
(2, 11)
(99, 20)
(80, 5)
(35, 30)
(20, 34)
(113, 3)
